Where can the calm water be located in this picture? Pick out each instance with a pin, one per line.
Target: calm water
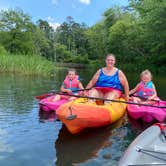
(31, 137)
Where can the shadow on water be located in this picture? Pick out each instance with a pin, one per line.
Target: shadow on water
(138, 124)
(47, 116)
(75, 149)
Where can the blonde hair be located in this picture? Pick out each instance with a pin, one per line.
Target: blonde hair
(108, 55)
(146, 72)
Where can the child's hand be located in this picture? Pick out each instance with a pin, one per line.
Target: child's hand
(86, 93)
(150, 98)
(68, 91)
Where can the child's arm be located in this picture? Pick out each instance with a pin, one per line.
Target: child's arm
(63, 89)
(133, 90)
(155, 93)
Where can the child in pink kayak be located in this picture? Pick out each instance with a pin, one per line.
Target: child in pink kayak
(145, 90)
(71, 85)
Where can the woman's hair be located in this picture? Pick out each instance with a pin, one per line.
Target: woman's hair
(111, 55)
(146, 72)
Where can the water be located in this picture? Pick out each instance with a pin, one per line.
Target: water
(31, 137)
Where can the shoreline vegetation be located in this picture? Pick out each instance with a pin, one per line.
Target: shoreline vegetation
(135, 33)
(27, 65)
(37, 65)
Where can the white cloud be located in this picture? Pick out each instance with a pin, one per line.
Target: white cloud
(86, 2)
(54, 25)
(3, 7)
(52, 22)
(55, 2)
(49, 18)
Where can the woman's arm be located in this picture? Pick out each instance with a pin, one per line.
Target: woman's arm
(93, 81)
(80, 85)
(125, 84)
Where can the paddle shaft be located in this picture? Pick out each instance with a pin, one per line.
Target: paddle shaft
(145, 98)
(79, 90)
(56, 92)
(119, 101)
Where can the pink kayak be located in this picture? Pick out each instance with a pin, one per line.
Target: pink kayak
(47, 104)
(148, 113)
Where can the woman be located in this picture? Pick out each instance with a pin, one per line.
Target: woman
(108, 82)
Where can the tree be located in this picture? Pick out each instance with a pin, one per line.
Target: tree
(16, 32)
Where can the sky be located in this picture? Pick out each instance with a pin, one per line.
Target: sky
(56, 11)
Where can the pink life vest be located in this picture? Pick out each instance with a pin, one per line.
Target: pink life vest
(71, 84)
(145, 90)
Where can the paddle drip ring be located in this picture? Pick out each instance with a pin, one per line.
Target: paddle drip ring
(71, 116)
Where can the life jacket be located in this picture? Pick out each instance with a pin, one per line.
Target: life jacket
(109, 81)
(145, 90)
(71, 84)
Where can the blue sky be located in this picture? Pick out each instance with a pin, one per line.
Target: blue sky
(56, 11)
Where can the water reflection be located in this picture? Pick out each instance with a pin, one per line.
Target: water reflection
(75, 149)
(47, 116)
(24, 140)
(139, 124)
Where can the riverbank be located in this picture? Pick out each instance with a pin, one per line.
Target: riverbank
(38, 65)
(27, 64)
(156, 66)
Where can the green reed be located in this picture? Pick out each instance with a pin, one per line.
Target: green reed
(26, 64)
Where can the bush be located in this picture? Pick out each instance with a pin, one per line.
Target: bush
(80, 59)
(2, 50)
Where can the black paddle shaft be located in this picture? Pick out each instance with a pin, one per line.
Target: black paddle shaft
(119, 101)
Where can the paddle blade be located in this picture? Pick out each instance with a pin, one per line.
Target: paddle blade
(71, 117)
(40, 97)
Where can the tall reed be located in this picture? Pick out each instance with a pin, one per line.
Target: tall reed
(25, 64)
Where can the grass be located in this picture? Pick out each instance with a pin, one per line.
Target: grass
(26, 64)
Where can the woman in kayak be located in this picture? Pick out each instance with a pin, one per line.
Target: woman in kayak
(108, 82)
(70, 85)
(145, 90)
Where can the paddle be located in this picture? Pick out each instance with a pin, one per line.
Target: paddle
(145, 98)
(127, 102)
(52, 92)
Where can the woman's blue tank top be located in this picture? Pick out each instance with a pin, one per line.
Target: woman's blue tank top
(109, 81)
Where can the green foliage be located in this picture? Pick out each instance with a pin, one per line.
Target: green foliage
(71, 34)
(2, 50)
(152, 16)
(16, 32)
(80, 59)
(62, 53)
(135, 34)
(96, 41)
(28, 65)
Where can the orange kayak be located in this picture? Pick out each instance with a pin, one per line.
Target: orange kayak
(81, 114)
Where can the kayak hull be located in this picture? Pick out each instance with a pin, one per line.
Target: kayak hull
(47, 104)
(150, 142)
(147, 113)
(81, 114)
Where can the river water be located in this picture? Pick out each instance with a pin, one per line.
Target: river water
(29, 136)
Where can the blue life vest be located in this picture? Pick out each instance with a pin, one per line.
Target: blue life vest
(109, 81)
(145, 90)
